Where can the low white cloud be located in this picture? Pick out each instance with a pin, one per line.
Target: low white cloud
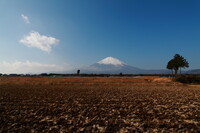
(31, 67)
(42, 42)
(25, 18)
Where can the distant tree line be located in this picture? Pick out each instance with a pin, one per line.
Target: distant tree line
(82, 75)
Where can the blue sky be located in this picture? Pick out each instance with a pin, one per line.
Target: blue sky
(41, 35)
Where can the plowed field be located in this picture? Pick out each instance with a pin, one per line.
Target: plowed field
(98, 104)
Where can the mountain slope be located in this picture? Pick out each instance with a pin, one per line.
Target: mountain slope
(194, 71)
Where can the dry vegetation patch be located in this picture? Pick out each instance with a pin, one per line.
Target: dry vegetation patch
(97, 104)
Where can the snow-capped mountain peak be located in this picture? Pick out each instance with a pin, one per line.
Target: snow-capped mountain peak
(111, 61)
(112, 65)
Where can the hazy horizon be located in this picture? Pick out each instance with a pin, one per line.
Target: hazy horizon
(39, 36)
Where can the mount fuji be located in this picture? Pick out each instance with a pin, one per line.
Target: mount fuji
(110, 65)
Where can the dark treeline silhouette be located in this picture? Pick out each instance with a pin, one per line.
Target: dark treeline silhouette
(85, 75)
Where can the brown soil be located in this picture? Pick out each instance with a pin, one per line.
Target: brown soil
(98, 104)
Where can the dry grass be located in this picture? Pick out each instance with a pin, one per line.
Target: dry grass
(98, 104)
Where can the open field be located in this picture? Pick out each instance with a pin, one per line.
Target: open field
(98, 104)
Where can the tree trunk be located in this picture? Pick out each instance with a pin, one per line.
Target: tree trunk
(180, 70)
(175, 71)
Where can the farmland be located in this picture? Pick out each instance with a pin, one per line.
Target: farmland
(98, 104)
